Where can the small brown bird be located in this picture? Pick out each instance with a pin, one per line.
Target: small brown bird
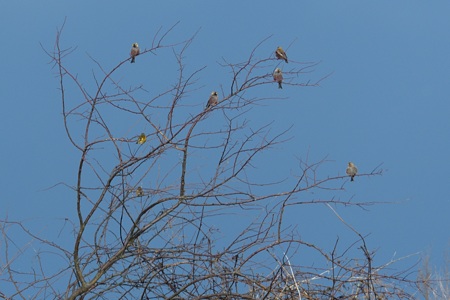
(213, 100)
(139, 192)
(280, 54)
(351, 170)
(141, 139)
(134, 51)
(278, 77)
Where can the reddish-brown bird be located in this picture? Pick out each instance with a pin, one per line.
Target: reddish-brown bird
(278, 77)
(134, 51)
(213, 100)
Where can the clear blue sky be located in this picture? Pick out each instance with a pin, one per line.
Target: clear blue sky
(387, 101)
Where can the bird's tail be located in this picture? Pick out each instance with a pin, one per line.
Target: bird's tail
(279, 85)
(132, 59)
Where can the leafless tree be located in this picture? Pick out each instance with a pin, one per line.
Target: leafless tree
(179, 212)
(434, 284)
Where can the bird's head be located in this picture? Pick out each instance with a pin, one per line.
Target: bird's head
(277, 70)
(350, 164)
(214, 93)
(135, 45)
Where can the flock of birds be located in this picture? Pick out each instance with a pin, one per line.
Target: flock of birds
(213, 100)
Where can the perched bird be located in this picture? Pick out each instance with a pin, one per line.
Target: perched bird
(139, 192)
(141, 139)
(134, 51)
(351, 170)
(280, 54)
(213, 100)
(278, 77)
